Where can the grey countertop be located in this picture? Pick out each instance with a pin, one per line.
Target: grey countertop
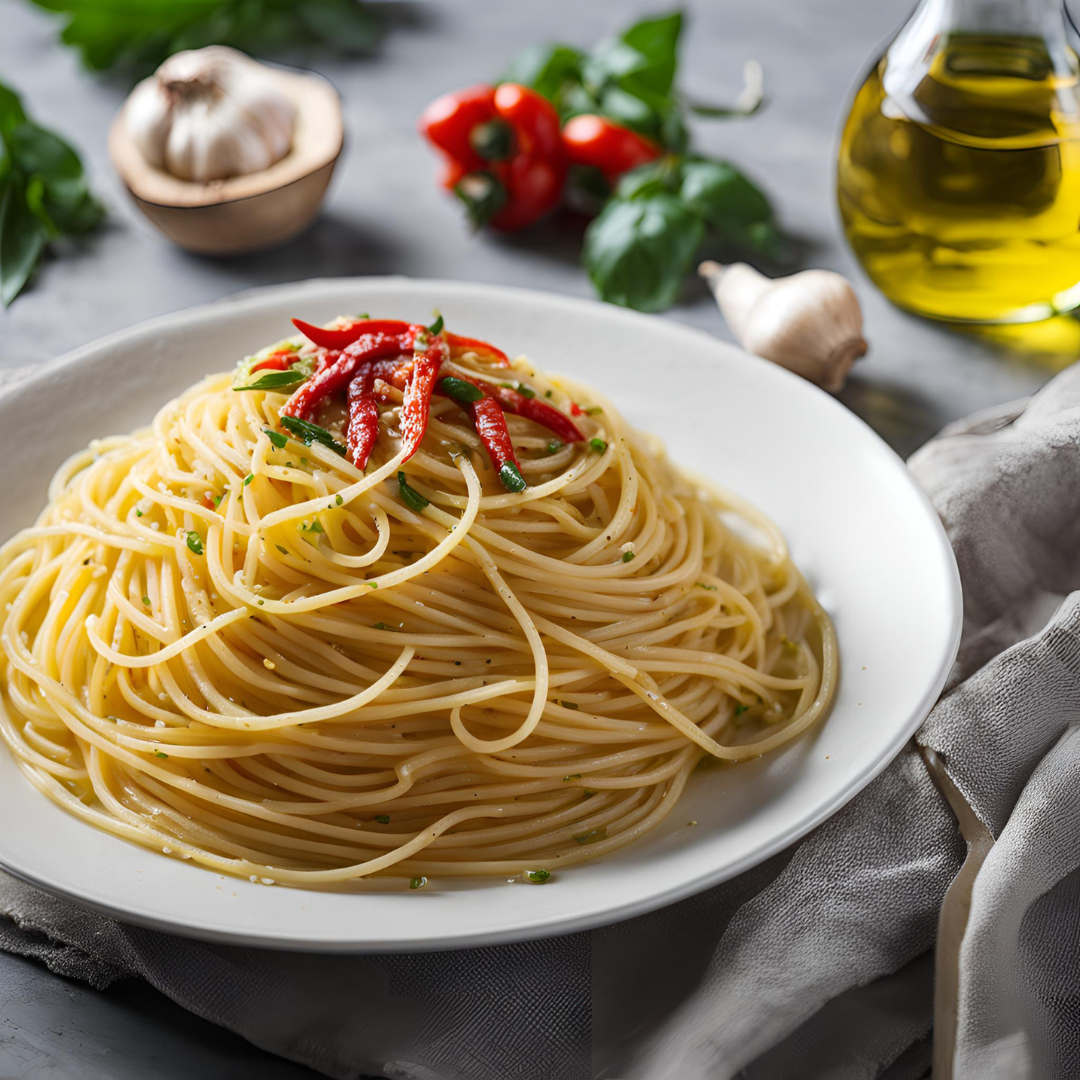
(385, 215)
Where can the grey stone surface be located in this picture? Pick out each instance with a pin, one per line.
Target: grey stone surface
(383, 215)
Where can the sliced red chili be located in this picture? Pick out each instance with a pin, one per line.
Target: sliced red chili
(540, 412)
(416, 406)
(468, 344)
(363, 425)
(338, 374)
(342, 336)
(490, 425)
(276, 361)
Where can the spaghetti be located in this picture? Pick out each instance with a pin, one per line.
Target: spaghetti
(225, 640)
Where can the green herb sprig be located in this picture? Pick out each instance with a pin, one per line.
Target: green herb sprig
(43, 194)
(137, 35)
(650, 229)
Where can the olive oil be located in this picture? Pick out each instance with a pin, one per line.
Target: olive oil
(959, 180)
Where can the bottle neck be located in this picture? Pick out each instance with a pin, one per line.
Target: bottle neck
(1022, 18)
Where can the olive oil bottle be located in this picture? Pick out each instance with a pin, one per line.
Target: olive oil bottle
(959, 169)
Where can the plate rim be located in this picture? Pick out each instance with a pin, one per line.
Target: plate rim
(556, 925)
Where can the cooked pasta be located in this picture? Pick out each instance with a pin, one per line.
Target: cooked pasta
(226, 640)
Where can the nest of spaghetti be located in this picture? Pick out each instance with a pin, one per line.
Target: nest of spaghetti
(431, 615)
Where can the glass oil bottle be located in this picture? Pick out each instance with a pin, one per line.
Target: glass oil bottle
(959, 167)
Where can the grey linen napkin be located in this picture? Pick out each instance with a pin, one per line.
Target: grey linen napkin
(818, 962)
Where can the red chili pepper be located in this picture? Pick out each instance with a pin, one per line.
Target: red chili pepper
(416, 406)
(611, 148)
(458, 343)
(362, 428)
(281, 360)
(338, 374)
(343, 336)
(505, 158)
(540, 412)
(490, 425)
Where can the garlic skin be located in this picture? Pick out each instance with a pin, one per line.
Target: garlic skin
(210, 114)
(810, 322)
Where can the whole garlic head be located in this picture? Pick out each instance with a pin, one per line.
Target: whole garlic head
(208, 114)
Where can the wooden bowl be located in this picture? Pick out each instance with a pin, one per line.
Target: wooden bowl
(243, 213)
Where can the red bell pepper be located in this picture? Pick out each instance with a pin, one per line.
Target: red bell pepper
(490, 425)
(504, 156)
(613, 149)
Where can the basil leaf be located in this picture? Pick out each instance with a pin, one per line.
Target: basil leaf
(650, 179)
(641, 62)
(276, 438)
(40, 151)
(410, 496)
(550, 70)
(310, 433)
(732, 204)
(22, 238)
(11, 110)
(274, 380)
(436, 327)
(638, 251)
(139, 34)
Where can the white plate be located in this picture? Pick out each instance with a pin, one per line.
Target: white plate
(858, 526)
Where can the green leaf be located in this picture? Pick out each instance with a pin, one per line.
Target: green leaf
(410, 496)
(194, 543)
(723, 195)
(310, 433)
(274, 380)
(37, 150)
(650, 179)
(276, 438)
(733, 205)
(641, 61)
(22, 238)
(11, 110)
(638, 251)
(139, 34)
(549, 69)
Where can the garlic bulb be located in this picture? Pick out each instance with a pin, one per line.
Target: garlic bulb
(209, 114)
(809, 322)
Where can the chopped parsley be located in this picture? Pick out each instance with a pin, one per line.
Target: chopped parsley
(410, 496)
(554, 446)
(572, 776)
(283, 550)
(338, 500)
(309, 433)
(740, 708)
(158, 753)
(146, 600)
(547, 393)
(597, 445)
(593, 410)
(314, 527)
(383, 819)
(248, 479)
(276, 438)
(418, 882)
(138, 512)
(382, 626)
(537, 877)
(511, 479)
(194, 543)
(569, 704)
(592, 835)
(702, 585)
(460, 389)
(521, 388)
(627, 556)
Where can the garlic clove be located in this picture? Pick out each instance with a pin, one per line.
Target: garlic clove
(810, 322)
(210, 114)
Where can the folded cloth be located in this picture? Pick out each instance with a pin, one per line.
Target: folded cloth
(816, 963)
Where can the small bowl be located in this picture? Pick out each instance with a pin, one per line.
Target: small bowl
(243, 213)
